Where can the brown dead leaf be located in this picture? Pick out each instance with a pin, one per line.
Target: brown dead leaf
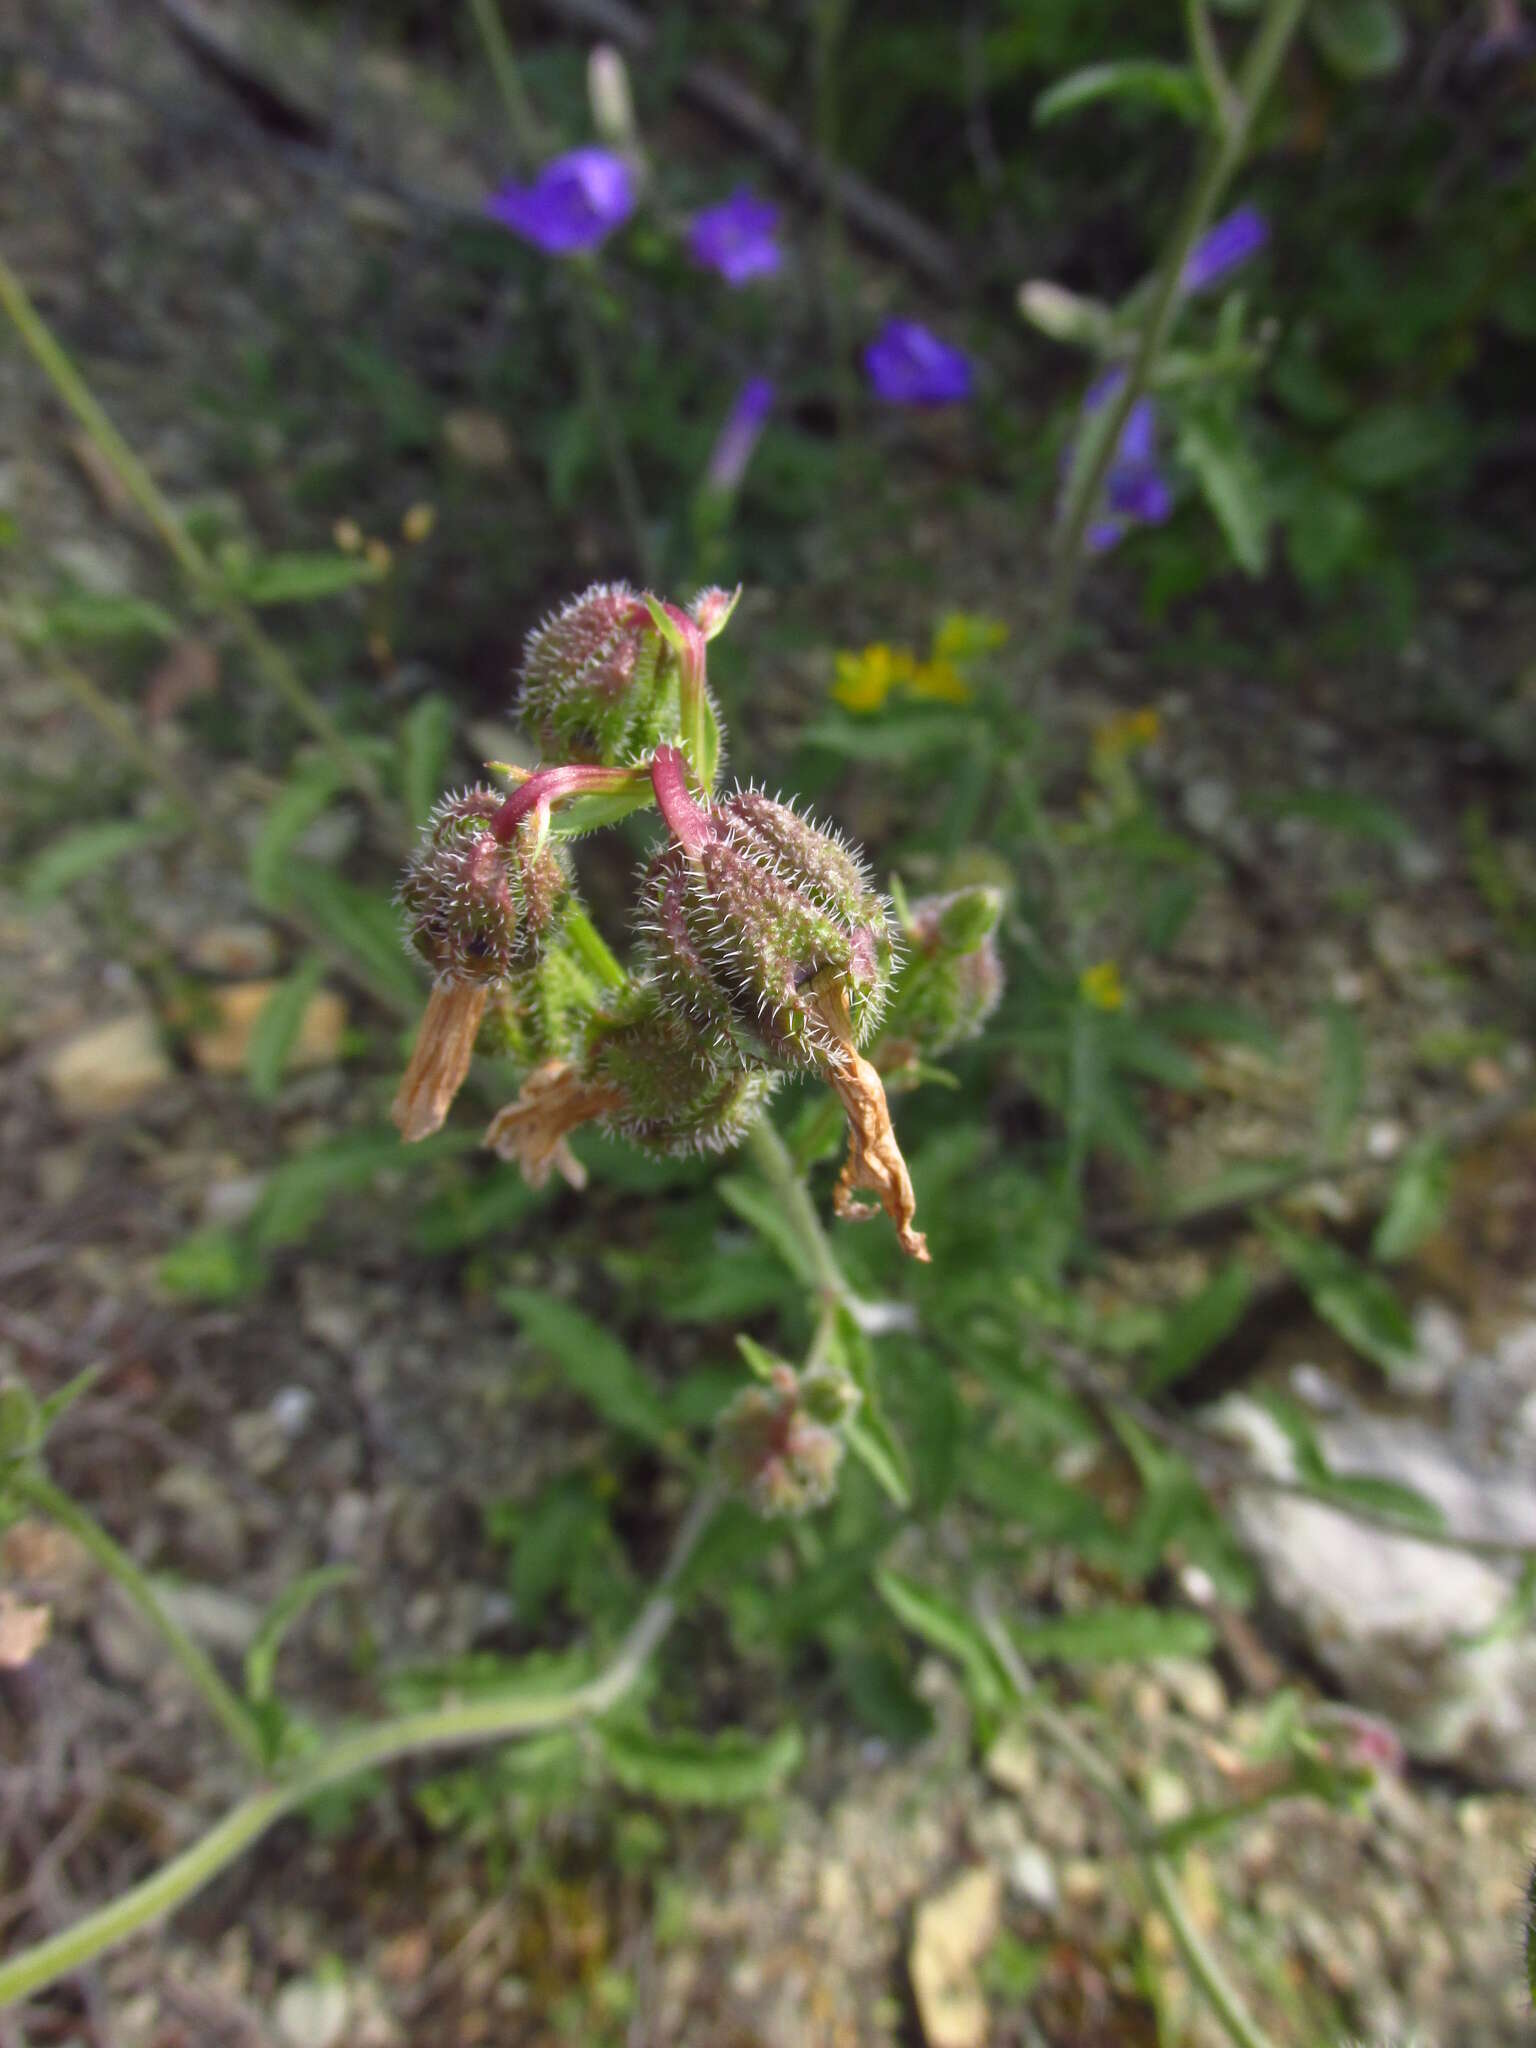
(189, 671)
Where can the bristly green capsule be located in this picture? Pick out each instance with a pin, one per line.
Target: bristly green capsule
(542, 1013)
(477, 910)
(951, 979)
(670, 1098)
(769, 1449)
(601, 683)
(767, 935)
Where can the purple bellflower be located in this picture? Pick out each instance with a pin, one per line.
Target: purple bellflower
(1136, 491)
(738, 437)
(737, 239)
(908, 365)
(1224, 248)
(575, 202)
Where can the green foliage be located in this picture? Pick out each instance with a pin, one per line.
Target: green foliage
(1359, 1304)
(594, 1362)
(728, 1769)
(78, 855)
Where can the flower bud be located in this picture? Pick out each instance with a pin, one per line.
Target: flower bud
(951, 980)
(770, 1450)
(476, 911)
(767, 933)
(672, 1099)
(768, 938)
(601, 682)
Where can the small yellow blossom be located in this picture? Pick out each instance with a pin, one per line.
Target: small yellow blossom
(418, 523)
(864, 680)
(1102, 987)
(348, 536)
(961, 636)
(940, 680)
(1126, 733)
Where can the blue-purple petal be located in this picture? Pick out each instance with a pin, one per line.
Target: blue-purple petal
(738, 239)
(908, 364)
(1224, 248)
(575, 202)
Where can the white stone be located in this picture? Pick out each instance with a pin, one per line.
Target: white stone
(108, 1068)
(311, 2013)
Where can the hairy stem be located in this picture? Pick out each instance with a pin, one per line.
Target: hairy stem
(1158, 1873)
(592, 949)
(775, 1163)
(1222, 158)
(231, 1713)
(268, 660)
(451, 1727)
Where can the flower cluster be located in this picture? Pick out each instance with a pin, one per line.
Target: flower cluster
(579, 199)
(764, 949)
(779, 1445)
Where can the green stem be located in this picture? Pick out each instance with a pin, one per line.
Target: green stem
(509, 83)
(592, 949)
(776, 1164)
(584, 336)
(265, 656)
(226, 1707)
(1158, 1873)
(451, 1727)
(1222, 158)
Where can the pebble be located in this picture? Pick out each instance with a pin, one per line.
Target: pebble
(951, 1933)
(223, 1047)
(478, 439)
(311, 2013)
(109, 1068)
(1032, 1875)
(1013, 1764)
(235, 952)
(291, 1410)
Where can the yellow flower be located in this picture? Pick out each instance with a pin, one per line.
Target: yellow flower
(418, 522)
(960, 636)
(864, 680)
(1101, 986)
(941, 680)
(1126, 733)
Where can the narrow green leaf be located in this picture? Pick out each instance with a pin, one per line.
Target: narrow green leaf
(1198, 1325)
(1356, 1302)
(1142, 81)
(1110, 1634)
(1232, 484)
(84, 851)
(297, 578)
(286, 1610)
(85, 617)
(729, 1769)
(595, 1363)
(1359, 38)
(301, 1191)
(425, 739)
(1343, 1077)
(362, 924)
(211, 1265)
(1421, 1193)
(307, 793)
(949, 1629)
(277, 1027)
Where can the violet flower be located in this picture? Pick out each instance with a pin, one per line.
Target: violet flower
(907, 364)
(575, 202)
(1224, 248)
(739, 435)
(737, 239)
(1136, 491)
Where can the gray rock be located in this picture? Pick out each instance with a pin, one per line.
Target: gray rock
(1392, 1617)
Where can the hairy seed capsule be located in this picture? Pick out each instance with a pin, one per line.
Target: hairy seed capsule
(672, 1099)
(769, 1450)
(476, 911)
(950, 981)
(600, 683)
(768, 936)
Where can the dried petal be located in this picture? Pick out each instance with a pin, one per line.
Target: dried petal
(555, 1100)
(874, 1158)
(445, 1044)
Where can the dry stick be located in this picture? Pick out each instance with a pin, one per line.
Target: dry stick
(265, 656)
(1161, 1879)
(434, 1728)
(1457, 1133)
(1227, 1462)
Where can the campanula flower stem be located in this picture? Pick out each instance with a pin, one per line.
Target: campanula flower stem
(1101, 437)
(268, 660)
(231, 1713)
(521, 119)
(498, 1718)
